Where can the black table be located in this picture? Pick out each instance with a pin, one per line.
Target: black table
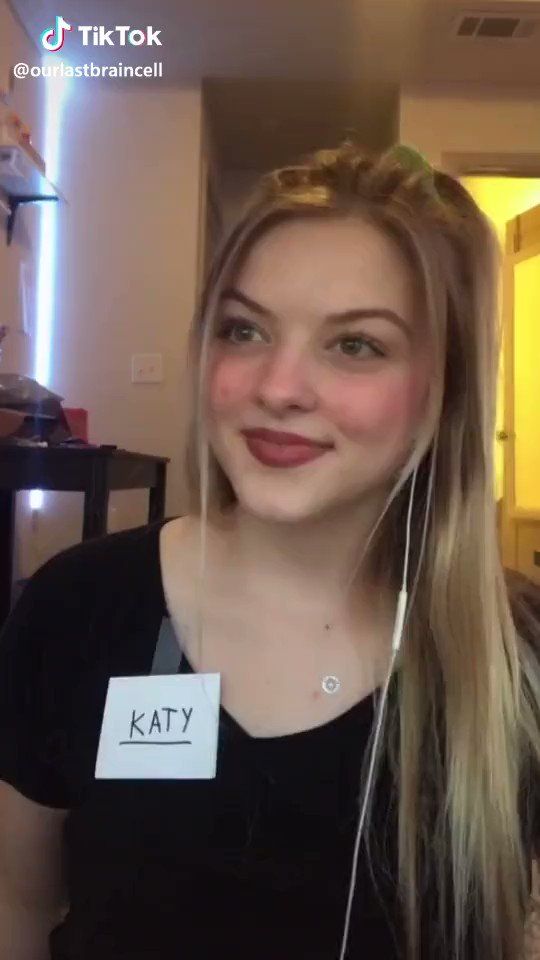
(94, 471)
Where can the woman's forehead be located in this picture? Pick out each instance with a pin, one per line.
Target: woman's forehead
(324, 264)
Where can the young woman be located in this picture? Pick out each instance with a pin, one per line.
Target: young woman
(366, 785)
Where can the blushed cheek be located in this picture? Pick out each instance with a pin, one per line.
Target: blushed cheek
(230, 383)
(378, 406)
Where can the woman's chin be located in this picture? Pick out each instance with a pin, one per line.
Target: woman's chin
(290, 507)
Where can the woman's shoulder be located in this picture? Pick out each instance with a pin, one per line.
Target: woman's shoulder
(93, 561)
(89, 576)
(180, 545)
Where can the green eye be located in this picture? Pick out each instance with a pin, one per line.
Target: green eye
(237, 331)
(358, 347)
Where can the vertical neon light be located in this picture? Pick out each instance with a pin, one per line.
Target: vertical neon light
(55, 92)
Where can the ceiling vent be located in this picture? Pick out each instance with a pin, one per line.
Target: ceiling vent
(495, 26)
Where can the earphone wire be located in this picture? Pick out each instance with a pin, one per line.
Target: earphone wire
(429, 494)
(397, 634)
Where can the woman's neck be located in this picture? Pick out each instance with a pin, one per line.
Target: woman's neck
(318, 556)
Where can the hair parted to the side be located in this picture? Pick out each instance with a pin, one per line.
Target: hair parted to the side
(465, 730)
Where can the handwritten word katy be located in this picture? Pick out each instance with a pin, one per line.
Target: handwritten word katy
(146, 725)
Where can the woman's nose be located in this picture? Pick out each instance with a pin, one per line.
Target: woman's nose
(286, 382)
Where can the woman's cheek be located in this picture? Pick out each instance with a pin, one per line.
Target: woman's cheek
(230, 383)
(378, 404)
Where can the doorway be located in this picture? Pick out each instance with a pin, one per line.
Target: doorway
(513, 206)
(520, 435)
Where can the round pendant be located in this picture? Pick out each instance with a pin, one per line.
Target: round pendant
(330, 684)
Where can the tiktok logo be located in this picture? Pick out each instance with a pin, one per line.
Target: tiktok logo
(53, 38)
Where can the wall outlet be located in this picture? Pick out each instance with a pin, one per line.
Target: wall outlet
(147, 368)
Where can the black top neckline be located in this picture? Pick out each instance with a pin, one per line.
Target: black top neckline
(358, 711)
(353, 713)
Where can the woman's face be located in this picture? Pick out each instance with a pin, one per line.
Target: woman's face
(318, 371)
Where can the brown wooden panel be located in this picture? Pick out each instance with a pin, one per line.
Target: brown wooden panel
(523, 231)
(528, 549)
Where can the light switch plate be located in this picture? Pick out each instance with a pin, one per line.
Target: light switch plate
(147, 368)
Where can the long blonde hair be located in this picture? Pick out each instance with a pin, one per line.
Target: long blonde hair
(464, 733)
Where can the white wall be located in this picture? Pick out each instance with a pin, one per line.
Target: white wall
(127, 266)
(461, 119)
(128, 248)
(26, 100)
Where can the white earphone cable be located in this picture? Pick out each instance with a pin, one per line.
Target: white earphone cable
(397, 634)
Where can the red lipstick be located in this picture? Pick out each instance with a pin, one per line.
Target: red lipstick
(275, 448)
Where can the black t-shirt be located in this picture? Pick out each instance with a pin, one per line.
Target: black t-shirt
(254, 863)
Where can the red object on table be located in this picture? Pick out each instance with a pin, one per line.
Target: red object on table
(77, 419)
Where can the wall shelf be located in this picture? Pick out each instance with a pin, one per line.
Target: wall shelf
(22, 181)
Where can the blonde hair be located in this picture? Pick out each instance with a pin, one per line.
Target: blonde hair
(463, 734)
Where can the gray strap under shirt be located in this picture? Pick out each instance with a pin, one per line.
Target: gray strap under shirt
(168, 653)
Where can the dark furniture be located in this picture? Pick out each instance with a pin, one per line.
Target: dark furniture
(94, 471)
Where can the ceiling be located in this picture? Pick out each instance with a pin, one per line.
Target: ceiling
(283, 76)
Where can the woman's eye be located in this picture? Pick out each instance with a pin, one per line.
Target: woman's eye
(358, 346)
(238, 331)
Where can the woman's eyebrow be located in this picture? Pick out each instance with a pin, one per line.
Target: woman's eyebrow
(363, 313)
(231, 293)
(355, 313)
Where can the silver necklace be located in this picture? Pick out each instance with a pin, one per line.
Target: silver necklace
(330, 683)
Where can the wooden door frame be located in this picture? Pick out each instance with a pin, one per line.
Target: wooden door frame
(508, 528)
(522, 243)
(519, 236)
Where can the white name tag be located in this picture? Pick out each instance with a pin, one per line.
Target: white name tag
(160, 727)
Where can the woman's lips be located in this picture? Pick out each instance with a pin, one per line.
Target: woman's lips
(274, 449)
